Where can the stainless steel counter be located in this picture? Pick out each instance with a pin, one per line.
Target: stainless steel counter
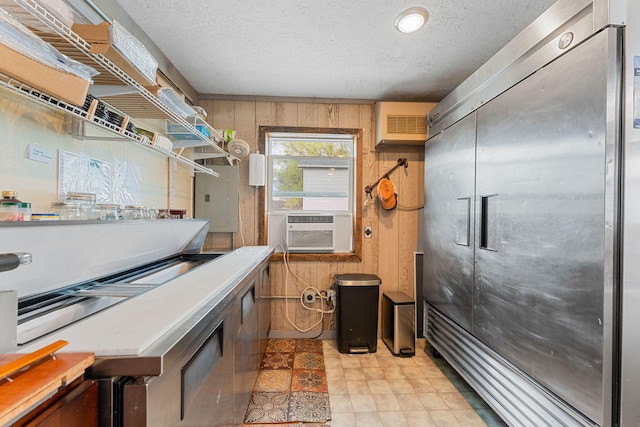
(148, 325)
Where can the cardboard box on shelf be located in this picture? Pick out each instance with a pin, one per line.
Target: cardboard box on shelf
(59, 84)
(99, 38)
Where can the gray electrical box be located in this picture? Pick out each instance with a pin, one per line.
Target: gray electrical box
(216, 199)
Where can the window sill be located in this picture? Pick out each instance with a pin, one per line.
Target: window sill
(319, 257)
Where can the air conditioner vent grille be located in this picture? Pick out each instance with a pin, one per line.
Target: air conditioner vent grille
(406, 124)
(310, 233)
(310, 219)
(310, 239)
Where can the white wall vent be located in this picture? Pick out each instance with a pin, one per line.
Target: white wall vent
(402, 123)
(310, 233)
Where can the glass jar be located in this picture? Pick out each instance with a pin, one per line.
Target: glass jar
(109, 212)
(85, 203)
(150, 212)
(133, 212)
(89, 211)
(66, 211)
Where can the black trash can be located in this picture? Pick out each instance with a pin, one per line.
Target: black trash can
(357, 312)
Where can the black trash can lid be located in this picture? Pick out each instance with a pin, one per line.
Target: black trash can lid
(357, 279)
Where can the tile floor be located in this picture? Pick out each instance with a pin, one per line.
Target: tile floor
(379, 389)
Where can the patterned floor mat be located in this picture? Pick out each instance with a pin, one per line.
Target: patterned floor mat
(291, 385)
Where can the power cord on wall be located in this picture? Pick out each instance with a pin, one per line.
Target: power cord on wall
(321, 295)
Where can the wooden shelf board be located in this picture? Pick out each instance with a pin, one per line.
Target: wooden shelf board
(38, 382)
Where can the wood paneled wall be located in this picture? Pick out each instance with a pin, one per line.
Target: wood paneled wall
(388, 254)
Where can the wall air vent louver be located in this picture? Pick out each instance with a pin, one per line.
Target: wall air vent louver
(413, 125)
(402, 123)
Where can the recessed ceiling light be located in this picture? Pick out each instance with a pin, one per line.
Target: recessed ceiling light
(411, 20)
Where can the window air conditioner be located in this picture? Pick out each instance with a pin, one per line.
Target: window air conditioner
(310, 233)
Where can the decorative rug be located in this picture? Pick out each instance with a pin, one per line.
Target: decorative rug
(292, 384)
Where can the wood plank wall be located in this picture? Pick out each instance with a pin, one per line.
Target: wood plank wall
(388, 254)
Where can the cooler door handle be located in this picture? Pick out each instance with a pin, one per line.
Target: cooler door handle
(488, 222)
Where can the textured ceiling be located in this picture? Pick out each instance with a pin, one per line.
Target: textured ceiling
(329, 48)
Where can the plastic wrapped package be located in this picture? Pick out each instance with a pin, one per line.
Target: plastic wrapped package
(19, 38)
(68, 12)
(171, 99)
(60, 10)
(133, 50)
(121, 48)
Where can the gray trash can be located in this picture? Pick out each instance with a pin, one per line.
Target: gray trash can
(398, 320)
(357, 312)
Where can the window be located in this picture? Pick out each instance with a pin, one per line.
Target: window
(310, 198)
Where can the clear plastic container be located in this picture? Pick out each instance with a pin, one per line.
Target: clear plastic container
(10, 198)
(10, 211)
(24, 211)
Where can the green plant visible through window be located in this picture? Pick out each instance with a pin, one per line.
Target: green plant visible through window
(311, 172)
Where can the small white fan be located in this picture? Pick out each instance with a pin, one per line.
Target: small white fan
(238, 148)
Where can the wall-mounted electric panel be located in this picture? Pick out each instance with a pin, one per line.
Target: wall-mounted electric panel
(216, 199)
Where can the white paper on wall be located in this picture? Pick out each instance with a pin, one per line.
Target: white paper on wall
(79, 173)
(127, 186)
(73, 173)
(100, 180)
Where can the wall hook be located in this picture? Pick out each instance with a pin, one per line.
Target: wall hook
(369, 188)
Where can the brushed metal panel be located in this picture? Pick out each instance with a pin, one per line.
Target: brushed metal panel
(398, 323)
(67, 250)
(171, 399)
(534, 47)
(514, 396)
(630, 351)
(264, 307)
(540, 294)
(246, 349)
(449, 181)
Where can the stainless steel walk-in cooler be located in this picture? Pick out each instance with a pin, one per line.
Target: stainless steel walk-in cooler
(357, 312)
(531, 226)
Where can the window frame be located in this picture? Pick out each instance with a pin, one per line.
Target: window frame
(356, 253)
